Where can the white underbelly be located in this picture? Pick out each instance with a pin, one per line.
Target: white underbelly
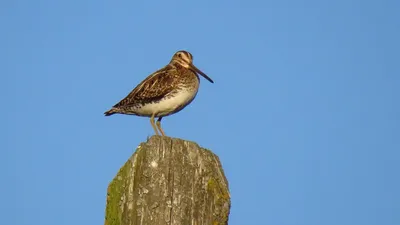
(166, 106)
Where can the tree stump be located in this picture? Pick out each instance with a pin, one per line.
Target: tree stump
(169, 181)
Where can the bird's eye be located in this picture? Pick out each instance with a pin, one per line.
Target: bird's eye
(180, 55)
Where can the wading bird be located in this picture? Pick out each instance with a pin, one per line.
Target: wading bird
(164, 92)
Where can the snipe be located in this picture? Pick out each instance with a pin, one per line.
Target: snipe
(164, 92)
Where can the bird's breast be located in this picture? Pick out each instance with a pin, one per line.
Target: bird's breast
(170, 104)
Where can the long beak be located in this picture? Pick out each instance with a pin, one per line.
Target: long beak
(201, 73)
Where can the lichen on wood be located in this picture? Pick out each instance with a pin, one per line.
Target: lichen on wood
(169, 181)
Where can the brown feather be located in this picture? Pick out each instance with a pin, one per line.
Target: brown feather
(152, 89)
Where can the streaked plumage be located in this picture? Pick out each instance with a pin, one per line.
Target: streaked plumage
(165, 92)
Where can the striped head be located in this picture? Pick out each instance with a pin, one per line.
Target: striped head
(185, 59)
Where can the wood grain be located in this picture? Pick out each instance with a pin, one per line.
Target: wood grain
(169, 181)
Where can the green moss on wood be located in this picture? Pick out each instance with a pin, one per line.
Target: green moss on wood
(114, 195)
(221, 196)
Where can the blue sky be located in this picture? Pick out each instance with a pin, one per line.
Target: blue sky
(304, 111)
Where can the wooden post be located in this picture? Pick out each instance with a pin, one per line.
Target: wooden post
(169, 181)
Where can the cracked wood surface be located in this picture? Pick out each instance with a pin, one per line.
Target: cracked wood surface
(169, 181)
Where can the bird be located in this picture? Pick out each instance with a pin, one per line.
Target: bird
(164, 92)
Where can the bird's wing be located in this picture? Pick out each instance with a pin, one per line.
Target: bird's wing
(153, 88)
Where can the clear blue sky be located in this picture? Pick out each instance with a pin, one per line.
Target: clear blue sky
(304, 112)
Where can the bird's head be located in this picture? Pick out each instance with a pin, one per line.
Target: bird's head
(185, 59)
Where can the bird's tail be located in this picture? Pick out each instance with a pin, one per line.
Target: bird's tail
(110, 112)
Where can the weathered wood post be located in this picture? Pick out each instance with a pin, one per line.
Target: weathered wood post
(169, 181)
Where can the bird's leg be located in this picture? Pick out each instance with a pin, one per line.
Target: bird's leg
(159, 126)
(153, 125)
